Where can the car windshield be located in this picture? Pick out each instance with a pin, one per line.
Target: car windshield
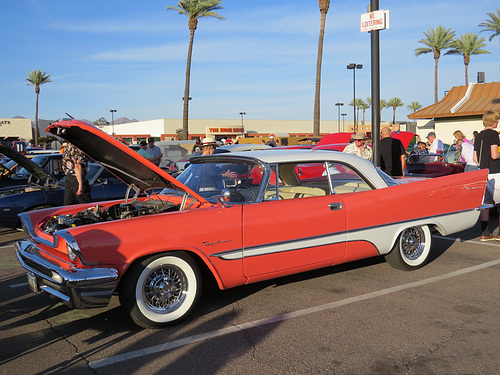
(40, 160)
(241, 179)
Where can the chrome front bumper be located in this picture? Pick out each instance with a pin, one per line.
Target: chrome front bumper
(77, 288)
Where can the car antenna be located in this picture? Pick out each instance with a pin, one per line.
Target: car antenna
(67, 114)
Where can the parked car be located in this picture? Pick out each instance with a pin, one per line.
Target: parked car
(432, 165)
(43, 191)
(184, 162)
(215, 221)
(24, 167)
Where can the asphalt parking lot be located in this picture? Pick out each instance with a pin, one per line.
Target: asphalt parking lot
(359, 318)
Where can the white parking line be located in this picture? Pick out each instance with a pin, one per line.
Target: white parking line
(18, 285)
(489, 243)
(279, 318)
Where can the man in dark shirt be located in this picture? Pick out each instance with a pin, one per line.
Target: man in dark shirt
(75, 168)
(486, 155)
(392, 154)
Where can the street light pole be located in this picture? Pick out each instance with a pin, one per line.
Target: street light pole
(242, 125)
(354, 66)
(338, 106)
(113, 120)
(343, 121)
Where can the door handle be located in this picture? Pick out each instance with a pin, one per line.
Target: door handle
(335, 206)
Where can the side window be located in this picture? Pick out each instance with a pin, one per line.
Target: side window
(303, 180)
(346, 180)
(57, 166)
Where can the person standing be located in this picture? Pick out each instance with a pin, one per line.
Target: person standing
(435, 145)
(197, 146)
(465, 155)
(145, 153)
(208, 146)
(420, 149)
(459, 135)
(392, 154)
(359, 146)
(486, 155)
(271, 141)
(154, 151)
(76, 186)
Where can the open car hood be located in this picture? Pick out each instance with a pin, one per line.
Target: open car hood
(23, 161)
(118, 158)
(404, 137)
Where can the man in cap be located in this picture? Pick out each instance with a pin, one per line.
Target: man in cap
(359, 146)
(154, 151)
(208, 146)
(271, 141)
(435, 145)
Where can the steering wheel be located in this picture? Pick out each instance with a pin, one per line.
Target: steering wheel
(241, 186)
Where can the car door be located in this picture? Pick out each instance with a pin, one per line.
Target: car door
(287, 234)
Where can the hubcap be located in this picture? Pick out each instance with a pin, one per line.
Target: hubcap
(412, 243)
(165, 289)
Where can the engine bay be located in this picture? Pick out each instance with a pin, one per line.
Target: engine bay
(98, 214)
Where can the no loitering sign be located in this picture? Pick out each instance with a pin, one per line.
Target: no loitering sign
(377, 20)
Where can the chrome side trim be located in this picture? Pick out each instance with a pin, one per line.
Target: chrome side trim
(382, 236)
(485, 206)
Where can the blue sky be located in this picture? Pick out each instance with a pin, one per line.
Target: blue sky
(130, 55)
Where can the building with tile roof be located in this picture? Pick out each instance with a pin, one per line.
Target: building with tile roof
(461, 108)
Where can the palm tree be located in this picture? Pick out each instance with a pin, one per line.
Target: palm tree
(468, 44)
(364, 106)
(323, 8)
(383, 104)
(492, 24)
(193, 9)
(394, 103)
(414, 106)
(357, 103)
(436, 41)
(37, 78)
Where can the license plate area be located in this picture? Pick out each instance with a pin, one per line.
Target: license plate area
(32, 282)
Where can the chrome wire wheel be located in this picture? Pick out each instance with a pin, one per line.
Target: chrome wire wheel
(412, 248)
(162, 289)
(165, 289)
(412, 243)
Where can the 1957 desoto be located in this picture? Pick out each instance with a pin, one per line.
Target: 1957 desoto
(238, 218)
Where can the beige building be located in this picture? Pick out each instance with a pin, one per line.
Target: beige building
(21, 129)
(166, 129)
(461, 109)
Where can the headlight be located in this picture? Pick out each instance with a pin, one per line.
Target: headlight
(71, 246)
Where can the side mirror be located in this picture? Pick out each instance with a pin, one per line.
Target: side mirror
(224, 197)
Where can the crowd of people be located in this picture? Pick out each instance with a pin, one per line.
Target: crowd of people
(393, 156)
(481, 152)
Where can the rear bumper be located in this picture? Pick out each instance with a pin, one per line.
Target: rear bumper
(77, 288)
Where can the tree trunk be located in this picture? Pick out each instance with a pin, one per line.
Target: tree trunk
(436, 59)
(466, 62)
(316, 124)
(185, 115)
(36, 117)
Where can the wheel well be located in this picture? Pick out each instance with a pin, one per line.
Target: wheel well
(208, 278)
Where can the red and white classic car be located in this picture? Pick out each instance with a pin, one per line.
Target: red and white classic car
(238, 218)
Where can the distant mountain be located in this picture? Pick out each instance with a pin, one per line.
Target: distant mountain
(124, 120)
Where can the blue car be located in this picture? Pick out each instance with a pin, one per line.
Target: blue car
(43, 191)
(20, 168)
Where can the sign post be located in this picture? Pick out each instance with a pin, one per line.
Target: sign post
(373, 22)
